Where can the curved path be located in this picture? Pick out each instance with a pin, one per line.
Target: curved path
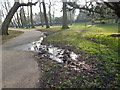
(19, 69)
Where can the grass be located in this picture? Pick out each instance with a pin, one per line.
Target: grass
(12, 34)
(95, 41)
(109, 21)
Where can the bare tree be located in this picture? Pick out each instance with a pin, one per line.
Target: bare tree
(28, 16)
(41, 14)
(50, 18)
(24, 16)
(0, 18)
(45, 15)
(18, 20)
(10, 14)
(64, 22)
(6, 6)
(53, 14)
(31, 16)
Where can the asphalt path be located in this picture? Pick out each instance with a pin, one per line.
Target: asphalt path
(19, 68)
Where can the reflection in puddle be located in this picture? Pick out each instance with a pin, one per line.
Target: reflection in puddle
(55, 53)
(60, 55)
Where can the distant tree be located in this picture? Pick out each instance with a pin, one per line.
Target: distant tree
(18, 20)
(50, 17)
(23, 18)
(0, 18)
(72, 16)
(28, 16)
(31, 16)
(41, 14)
(6, 22)
(58, 20)
(45, 15)
(53, 14)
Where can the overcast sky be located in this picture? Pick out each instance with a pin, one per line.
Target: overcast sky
(57, 9)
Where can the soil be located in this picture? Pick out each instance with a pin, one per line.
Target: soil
(61, 75)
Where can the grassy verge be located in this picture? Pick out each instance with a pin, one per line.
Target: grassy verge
(98, 46)
(12, 34)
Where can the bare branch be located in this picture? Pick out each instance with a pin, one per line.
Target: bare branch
(76, 6)
(28, 4)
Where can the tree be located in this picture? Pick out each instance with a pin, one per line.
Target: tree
(0, 18)
(6, 6)
(6, 22)
(115, 6)
(28, 16)
(23, 18)
(53, 15)
(18, 20)
(41, 14)
(45, 15)
(64, 22)
(31, 16)
(50, 18)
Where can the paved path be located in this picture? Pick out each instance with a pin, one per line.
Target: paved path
(19, 69)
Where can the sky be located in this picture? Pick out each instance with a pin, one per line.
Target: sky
(57, 8)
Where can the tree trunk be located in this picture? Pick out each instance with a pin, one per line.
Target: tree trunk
(31, 17)
(117, 20)
(25, 21)
(71, 19)
(6, 22)
(28, 17)
(12, 23)
(15, 22)
(53, 14)
(0, 18)
(41, 16)
(50, 13)
(18, 20)
(65, 23)
(21, 18)
(8, 18)
(45, 15)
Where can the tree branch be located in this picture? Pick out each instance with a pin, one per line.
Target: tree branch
(28, 4)
(74, 5)
(109, 5)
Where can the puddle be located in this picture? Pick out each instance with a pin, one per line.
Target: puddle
(55, 53)
(58, 54)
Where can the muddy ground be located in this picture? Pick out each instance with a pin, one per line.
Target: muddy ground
(62, 75)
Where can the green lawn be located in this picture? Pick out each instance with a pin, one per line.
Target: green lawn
(11, 35)
(98, 45)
